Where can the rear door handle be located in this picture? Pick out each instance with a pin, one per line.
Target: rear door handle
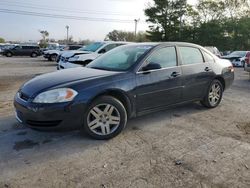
(175, 74)
(207, 69)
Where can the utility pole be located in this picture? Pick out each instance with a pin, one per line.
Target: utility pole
(180, 29)
(136, 21)
(67, 27)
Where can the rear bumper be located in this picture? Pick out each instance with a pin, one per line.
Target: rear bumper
(58, 116)
(247, 67)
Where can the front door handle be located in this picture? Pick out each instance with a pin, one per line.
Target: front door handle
(207, 69)
(175, 74)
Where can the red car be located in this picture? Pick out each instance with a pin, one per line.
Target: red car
(247, 62)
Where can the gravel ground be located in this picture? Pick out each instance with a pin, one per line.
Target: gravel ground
(188, 146)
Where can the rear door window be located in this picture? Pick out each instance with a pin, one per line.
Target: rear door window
(190, 55)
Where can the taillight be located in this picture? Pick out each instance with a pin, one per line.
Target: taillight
(230, 69)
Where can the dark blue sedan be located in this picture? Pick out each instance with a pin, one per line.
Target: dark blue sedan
(126, 82)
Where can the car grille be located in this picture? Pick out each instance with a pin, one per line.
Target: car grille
(23, 96)
(43, 123)
(64, 59)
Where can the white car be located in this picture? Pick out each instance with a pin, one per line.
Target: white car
(238, 58)
(84, 56)
(51, 55)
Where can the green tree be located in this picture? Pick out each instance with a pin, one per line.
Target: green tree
(2, 40)
(44, 41)
(116, 35)
(165, 17)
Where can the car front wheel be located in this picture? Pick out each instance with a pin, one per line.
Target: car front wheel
(105, 118)
(53, 57)
(214, 95)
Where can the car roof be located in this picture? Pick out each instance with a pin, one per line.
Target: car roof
(168, 43)
(114, 42)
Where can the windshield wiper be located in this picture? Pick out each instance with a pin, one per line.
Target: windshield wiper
(99, 68)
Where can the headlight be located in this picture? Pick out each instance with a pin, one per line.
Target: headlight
(56, 96)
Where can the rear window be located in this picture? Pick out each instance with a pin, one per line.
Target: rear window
(207, 57)
(74, 47)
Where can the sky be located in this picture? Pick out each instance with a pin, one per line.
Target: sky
(102, 17)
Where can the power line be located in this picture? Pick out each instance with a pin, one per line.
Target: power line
(20, 12)
(59, 9)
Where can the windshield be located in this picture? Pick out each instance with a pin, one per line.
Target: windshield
(93, 47)
(238, 53)
(120, 58)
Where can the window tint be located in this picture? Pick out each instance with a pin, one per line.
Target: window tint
(190, 55)
(207, 57)
(165, 57)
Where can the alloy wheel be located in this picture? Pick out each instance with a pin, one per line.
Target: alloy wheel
(103, 119)
(214, 94)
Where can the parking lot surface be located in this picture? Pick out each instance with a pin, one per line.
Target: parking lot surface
(186, 146)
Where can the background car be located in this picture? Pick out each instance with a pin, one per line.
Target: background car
(126, 82)
(85, 55)
(22, 50)
(238, 58)
(247, 62)
(213, 50)
(52, 55)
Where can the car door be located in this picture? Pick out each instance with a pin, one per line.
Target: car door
(25, 50)
(197, 73)
(159, 87)
(17, 50)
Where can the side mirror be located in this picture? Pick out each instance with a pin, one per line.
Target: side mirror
(102, 51)
(151, 66)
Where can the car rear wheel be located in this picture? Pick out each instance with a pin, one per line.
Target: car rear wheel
(105, 118)
(214, 95)
(33, 54)
(243, 64)
(8, 54)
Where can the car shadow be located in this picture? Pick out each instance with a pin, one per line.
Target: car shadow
(16, 139)
(165, 115)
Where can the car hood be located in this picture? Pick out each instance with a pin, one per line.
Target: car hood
(56, 79)
(231, 57)
(52, 51)
(74, 52)
(84, 57)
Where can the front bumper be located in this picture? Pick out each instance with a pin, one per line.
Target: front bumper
(49, 116)
(229, 78)
(66, 65)
(237, 63)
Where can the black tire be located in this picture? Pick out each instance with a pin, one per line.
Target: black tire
(9, 54)
(206, 101)
(109, 101)
(243, 64)
(33, 54)
(53, 57)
